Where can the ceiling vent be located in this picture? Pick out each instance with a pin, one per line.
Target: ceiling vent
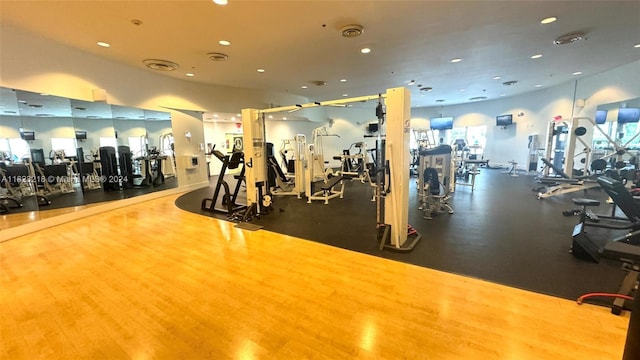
(426, 89)
(569, 38)
(160, 65)
(217, 56)
(510, 82)
(478, 98)
(352, 30)
(319, 83)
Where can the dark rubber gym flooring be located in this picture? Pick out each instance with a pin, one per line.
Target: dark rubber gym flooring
(500, 233)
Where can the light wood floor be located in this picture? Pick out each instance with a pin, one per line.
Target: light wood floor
(28, 217)
(151, 281)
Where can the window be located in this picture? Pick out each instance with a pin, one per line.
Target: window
(109, 141)
(136, 145)
(66, 145)
(628, 136)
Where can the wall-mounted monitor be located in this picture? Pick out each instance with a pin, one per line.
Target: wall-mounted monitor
(442, 123)
(504, 120)
(372, 128)
(28, 135)
(601, 116)
(628, 115)
(81, 135)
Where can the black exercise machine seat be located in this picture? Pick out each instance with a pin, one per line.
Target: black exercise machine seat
(274, 165)
(430, 176)
(331, 183)
(585, 202)
(621, 197)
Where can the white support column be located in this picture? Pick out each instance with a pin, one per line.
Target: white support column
(254, 156)
(570, 148)
(398, 109)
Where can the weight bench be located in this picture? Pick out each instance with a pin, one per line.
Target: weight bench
(583, 246)
(563, 184)
(326, 190)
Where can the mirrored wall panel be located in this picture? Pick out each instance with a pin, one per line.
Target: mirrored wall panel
(58, 153)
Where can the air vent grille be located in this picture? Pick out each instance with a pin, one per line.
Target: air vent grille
(160, 65)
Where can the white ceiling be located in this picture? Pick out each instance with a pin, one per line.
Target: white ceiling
(298, 42)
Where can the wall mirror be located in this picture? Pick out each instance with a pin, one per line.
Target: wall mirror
(58, 153)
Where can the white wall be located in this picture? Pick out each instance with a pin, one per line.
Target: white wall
(9, 126)
(539, 108)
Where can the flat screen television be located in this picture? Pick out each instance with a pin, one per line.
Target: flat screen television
(504, 120)
(628, 115)
(81, 135)
(442, 123)
(601, 116)
(28, 135)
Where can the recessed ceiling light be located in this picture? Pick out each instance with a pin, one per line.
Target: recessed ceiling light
(304, 86)
(224, 42)
(461, 90)
(190, 74)
(284, 118)
(365, 50)
(343, 80)
(239, 115)
(636, 46)
(270, 116)
(497, 77)
(220, 2)
(548, 20)
(577, 73)
(536, 56)
(456, 60)
(345, 95)
(103, 44)
(260, 70)
(537, 85)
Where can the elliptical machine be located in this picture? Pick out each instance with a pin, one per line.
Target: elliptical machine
(229, 199)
